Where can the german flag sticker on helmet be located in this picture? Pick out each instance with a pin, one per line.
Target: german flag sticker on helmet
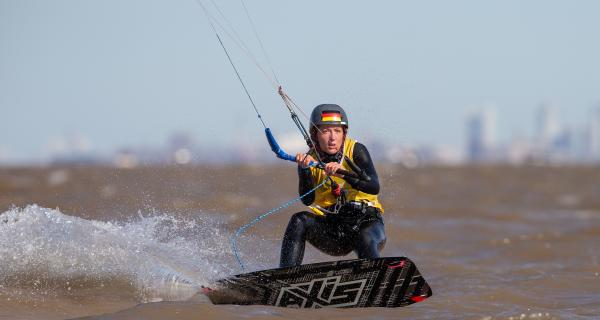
(331, 116)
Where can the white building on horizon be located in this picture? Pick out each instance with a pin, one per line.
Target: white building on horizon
(547, 126)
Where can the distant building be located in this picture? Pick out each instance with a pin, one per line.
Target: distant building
(550, 143)
(481, 135)
(518, 151)
(547, 126)
(404, 155)
(4, 155)
(181, 147)
(593, 140)
(71, 149)
(440, 155)
(125, 159)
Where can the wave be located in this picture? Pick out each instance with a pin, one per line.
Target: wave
(151, 258)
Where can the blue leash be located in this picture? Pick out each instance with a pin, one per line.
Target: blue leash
(262, 216)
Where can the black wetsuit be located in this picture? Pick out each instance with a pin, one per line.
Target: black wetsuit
(355, 228)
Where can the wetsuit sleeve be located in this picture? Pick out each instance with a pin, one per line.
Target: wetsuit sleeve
(363, 160)
(305, 184)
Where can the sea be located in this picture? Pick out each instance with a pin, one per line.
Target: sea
(493, 242)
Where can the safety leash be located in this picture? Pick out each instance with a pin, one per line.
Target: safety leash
(261, 217)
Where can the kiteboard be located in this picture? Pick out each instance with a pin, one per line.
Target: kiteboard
(381, 282)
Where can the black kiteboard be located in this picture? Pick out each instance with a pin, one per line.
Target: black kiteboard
(382, 282)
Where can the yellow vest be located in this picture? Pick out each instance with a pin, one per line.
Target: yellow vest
(323, 196)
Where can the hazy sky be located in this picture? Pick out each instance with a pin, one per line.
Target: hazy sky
(125, 73)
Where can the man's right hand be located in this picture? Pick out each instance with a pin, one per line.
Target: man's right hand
(304, 160)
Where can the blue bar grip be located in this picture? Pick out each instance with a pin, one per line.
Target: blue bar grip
(282, 155)
(275, 147)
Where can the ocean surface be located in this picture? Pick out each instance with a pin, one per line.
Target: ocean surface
(105, 243)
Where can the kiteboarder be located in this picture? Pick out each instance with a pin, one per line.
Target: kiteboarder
(345, 213)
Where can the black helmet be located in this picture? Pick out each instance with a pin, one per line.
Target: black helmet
(328, 114)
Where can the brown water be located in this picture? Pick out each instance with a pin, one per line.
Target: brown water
(493, 243)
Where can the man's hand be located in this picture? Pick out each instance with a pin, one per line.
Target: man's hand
(304, 160)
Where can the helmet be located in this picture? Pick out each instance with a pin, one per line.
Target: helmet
(328, 114)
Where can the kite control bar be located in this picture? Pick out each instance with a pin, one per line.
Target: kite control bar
(283, 155)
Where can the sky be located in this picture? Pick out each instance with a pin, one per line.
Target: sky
(113, 73)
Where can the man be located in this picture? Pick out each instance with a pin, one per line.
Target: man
(346, 214)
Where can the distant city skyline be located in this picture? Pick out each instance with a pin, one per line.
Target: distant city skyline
(94, 77)
(551, 142)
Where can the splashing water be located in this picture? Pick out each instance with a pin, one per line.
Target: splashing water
(44, 252)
